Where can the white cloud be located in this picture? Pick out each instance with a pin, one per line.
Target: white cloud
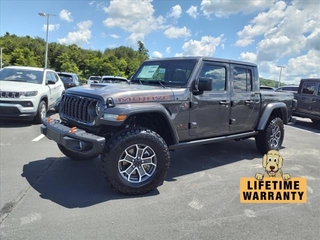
(305, 66)
(79, 37)
(223, 8)
(283, 31)
(193, 11)
(248, 56)
(205, 47)
(168, 50)
(66, 15)
(51, 28)
(156, 54)
(175, 12)
(135, 17)
(174, 32)
(114, 36)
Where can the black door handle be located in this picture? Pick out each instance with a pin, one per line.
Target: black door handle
(224, 102)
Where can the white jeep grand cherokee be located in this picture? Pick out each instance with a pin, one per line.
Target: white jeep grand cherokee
(28, 92)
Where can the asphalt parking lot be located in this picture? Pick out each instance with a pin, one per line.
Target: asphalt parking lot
(45, 195)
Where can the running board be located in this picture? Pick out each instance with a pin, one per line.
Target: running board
(212, 140)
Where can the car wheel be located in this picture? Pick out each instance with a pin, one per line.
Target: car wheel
(42, 112)
(271, 137)
(73, 155)
(136, 161)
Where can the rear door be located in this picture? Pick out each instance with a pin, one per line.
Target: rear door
(245, 100)
(210, 111)
(307, 102)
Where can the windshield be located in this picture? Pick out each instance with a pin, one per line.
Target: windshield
(21, 75)
(165, 72)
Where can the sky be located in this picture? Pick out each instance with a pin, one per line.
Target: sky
(281, 37)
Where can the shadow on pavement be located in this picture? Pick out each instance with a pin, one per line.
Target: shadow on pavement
(306, 125)
(79, 184)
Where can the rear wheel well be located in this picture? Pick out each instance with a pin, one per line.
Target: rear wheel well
(280, 113)
(155, 122)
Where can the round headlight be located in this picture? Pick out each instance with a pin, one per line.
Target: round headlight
(98, 108)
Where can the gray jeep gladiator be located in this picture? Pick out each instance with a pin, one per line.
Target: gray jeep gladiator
(169, 104)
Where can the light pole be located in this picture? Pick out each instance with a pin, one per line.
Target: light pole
(0, 58)
(280, 74)
(48, 16)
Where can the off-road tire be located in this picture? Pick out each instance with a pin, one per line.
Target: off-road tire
(41, 113)
(73, 155)
(135, 161)
(271, 137)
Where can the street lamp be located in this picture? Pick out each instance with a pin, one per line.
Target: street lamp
(48, 16)
(280, 74)
(0, 58)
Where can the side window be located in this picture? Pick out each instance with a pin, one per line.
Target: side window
(217, 73)
(242, 79)
(308, 87)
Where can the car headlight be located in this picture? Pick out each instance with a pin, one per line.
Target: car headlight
(98, 108)
(31, 94)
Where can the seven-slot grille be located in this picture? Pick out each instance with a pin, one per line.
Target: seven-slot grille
(78, 108)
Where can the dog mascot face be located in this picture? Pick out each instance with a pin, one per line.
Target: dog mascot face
(272, 162)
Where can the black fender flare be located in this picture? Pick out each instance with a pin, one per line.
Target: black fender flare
(267, 113)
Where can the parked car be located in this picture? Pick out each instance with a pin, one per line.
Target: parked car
(267, 88)
(288, 88)
(94, 79)
(308, 99)
(28, 92)
(113, 79)
(69, 79)
(170, 103)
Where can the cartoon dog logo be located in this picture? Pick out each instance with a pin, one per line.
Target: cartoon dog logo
(272, 162)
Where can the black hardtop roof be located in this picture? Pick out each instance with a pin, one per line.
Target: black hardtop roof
(204, 59)
(310, 79)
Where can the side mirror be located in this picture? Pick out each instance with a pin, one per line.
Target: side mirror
(205, 84)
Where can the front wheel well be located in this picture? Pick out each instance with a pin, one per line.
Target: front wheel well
(154, 121)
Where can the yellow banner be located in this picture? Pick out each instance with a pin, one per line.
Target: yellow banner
(274, 190)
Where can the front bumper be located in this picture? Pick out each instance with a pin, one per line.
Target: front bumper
(73, 139)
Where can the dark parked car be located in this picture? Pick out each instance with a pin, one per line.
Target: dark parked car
(288, 88)
(308, 98)
(69, 79)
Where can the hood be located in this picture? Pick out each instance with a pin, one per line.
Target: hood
(11, 86)
(126, 93)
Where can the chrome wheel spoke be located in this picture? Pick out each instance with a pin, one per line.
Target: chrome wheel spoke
(137, 163)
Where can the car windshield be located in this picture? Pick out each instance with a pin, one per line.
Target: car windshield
(164, 72)
(65, 78)
(21, 75)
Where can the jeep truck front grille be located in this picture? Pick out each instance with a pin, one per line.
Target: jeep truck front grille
(78, 108)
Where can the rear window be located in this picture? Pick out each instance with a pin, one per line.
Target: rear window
(65, 78)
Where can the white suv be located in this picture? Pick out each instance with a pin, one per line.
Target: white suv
(28, 92)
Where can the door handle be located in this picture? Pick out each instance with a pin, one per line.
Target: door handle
(224, 102)
(247, 102)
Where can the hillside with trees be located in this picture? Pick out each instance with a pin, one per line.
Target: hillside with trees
(121, 61)
(27, 51)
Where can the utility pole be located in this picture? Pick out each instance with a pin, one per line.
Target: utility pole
(0, 58)
(280, 74)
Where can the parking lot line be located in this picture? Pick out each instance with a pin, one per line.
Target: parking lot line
(38, 138)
